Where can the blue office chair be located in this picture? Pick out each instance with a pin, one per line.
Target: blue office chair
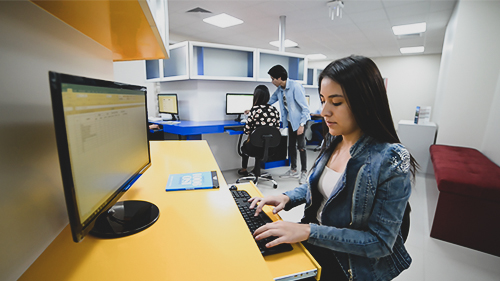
(265, 137)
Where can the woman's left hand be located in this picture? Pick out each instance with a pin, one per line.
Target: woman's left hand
(287, 232)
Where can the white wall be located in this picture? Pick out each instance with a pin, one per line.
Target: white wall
(31, 195)
(492, 136)
(467, 94)
(412, 82)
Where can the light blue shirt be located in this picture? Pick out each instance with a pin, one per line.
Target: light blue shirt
(297, 110)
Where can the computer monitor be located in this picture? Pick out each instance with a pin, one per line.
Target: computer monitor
(101, 135)
(238, 104)
(168, 104)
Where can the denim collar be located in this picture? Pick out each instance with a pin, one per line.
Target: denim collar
(360, 145)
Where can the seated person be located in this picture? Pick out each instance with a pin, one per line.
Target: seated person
(261, 114)
(153, 132)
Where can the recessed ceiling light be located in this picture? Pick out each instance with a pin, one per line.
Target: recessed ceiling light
(316, 57)
(223, 20)
(409, 28)
(412, 50)
(288, 43)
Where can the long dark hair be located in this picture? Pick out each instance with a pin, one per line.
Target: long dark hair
(366, 96)
(261, 95)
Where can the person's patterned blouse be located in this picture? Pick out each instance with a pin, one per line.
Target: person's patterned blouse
(262, 115)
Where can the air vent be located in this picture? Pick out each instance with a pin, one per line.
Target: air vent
(198, 10)
(409, 36)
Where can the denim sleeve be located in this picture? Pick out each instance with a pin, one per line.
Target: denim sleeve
(376, 237)
(273, 98)
(297, 196)
(300, 97)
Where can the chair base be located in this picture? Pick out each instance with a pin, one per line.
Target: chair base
(256, 179)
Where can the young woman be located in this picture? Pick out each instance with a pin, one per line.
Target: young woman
(261, 114)
(358, 189)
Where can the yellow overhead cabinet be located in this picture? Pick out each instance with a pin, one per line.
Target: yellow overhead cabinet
(131, 29)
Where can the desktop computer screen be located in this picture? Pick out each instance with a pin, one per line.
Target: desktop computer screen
(101, 134)
(238, 103)
(168, 104)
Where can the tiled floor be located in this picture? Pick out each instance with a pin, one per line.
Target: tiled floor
(432, 259)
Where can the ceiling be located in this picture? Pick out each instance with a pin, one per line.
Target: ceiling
(364, 29)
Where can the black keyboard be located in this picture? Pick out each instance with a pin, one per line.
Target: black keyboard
(253, 222)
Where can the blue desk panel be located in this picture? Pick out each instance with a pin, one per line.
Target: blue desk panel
(196, 128)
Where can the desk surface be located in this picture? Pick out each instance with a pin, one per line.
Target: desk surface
(200, 234)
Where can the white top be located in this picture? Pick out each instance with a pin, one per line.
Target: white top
(327, 185)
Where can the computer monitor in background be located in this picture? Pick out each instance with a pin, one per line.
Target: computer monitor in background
(238, 104)
(101, 134)
(308, 98)
(168, 104)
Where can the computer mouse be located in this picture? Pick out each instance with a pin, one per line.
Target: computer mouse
(233, 187)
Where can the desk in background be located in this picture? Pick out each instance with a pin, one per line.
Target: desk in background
(192, 130)
(200, 234)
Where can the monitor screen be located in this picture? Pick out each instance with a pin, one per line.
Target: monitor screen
(238, 103)
(167, 103)
(101, 133)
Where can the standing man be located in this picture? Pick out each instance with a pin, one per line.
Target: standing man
(294, 115)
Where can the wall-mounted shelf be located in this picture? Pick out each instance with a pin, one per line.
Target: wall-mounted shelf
(295, 64)
(312, 77)
(131, 29)
(225, 62)
(208, 61)
(173, 69)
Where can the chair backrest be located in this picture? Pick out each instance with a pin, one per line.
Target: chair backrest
(259, 136)
(265, 137)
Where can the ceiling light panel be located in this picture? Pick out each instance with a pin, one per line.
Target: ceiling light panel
(316, 57)
(223, 20)
(412, 50)
(288, 43)
(409, 28)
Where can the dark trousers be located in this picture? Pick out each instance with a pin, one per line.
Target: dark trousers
(330, 267)
(296, 141)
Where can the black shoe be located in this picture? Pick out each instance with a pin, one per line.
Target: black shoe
(243, 172)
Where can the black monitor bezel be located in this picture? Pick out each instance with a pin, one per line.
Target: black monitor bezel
(80, 229)
(176, 103)
(236, 94)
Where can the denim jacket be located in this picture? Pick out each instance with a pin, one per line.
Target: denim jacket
(361, 221)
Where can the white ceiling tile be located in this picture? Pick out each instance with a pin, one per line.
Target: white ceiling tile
(364, 28)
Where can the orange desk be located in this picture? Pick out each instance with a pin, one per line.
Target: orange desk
(200, 234)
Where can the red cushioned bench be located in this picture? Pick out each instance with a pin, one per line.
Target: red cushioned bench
(468, 209)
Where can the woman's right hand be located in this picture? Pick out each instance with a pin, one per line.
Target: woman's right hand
(278, 201)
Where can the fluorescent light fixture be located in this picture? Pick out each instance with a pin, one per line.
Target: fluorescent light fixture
(223, 20)
(412, 50)
(409, 28)
(316, 57)
(288, 43)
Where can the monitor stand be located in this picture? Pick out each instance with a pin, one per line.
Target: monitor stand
(238, 119)
(125, 218)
